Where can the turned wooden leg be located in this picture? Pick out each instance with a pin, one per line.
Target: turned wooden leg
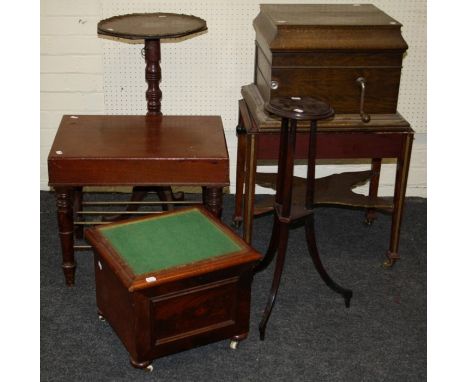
(65, 226)
(371, 213)
(240, 173)
(401, 179)
(249, 197)
(213, 200)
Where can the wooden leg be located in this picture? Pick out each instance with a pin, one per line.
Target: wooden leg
(240, 173)
(78, 206)
(283, 244)
(313, 251)
(272, 247)
(249, 197)
(371, 213)
(401, 180)
(213, 200)
(65, 227)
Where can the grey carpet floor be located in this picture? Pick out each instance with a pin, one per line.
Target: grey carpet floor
(311, 336)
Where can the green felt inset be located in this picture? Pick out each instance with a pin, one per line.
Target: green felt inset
(168, 241)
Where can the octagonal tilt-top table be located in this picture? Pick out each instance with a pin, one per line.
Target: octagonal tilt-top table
(151, 27)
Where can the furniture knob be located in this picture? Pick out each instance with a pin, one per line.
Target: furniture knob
(274, 85)
(362, 83)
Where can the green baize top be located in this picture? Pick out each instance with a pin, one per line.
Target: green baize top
(168, 241)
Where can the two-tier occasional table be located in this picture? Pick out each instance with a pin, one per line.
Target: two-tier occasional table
(132, 150)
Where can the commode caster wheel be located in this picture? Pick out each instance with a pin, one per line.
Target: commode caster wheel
(149, 368)
(234, 344)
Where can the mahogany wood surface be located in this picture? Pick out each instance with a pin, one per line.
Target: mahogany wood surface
(186, 306)
(98, 150)
(291, 110)
(139, 150)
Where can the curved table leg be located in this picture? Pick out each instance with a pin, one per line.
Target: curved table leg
(283, 244)
(272, 248)
(313, 251)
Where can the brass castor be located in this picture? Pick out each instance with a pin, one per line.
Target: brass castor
(388, 263)
(234, 344)
(391, 259)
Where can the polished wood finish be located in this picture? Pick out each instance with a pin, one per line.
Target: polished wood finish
(186, 306)
(151, 27)
(322, 50)
(343, 137)
(98, 150)
(117, 150)
(141, 26)
(153, 76)
(291, 109)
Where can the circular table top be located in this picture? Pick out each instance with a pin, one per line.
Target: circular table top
(137, 26)
(301, 108)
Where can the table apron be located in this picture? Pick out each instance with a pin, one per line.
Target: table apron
(337, 145)
(99, 172)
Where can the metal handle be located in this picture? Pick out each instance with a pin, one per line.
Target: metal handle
(362, 83)
(274, 85)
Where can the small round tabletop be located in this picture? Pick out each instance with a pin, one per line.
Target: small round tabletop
(300, 108)
(137, 26)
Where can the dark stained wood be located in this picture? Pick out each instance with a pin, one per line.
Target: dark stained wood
(153, 76)
(291, 110)
(321, 50)
(139, 26)
(139, 150)
(151, 27)
(186, 306)
(65, 223)
(134, 151)
(343, 137)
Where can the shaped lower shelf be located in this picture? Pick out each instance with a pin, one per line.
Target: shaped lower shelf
(332, 190)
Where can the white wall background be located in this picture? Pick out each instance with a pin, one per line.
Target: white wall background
(84, 74)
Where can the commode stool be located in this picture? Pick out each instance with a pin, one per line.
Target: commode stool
(172, 282)
(292, 109)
